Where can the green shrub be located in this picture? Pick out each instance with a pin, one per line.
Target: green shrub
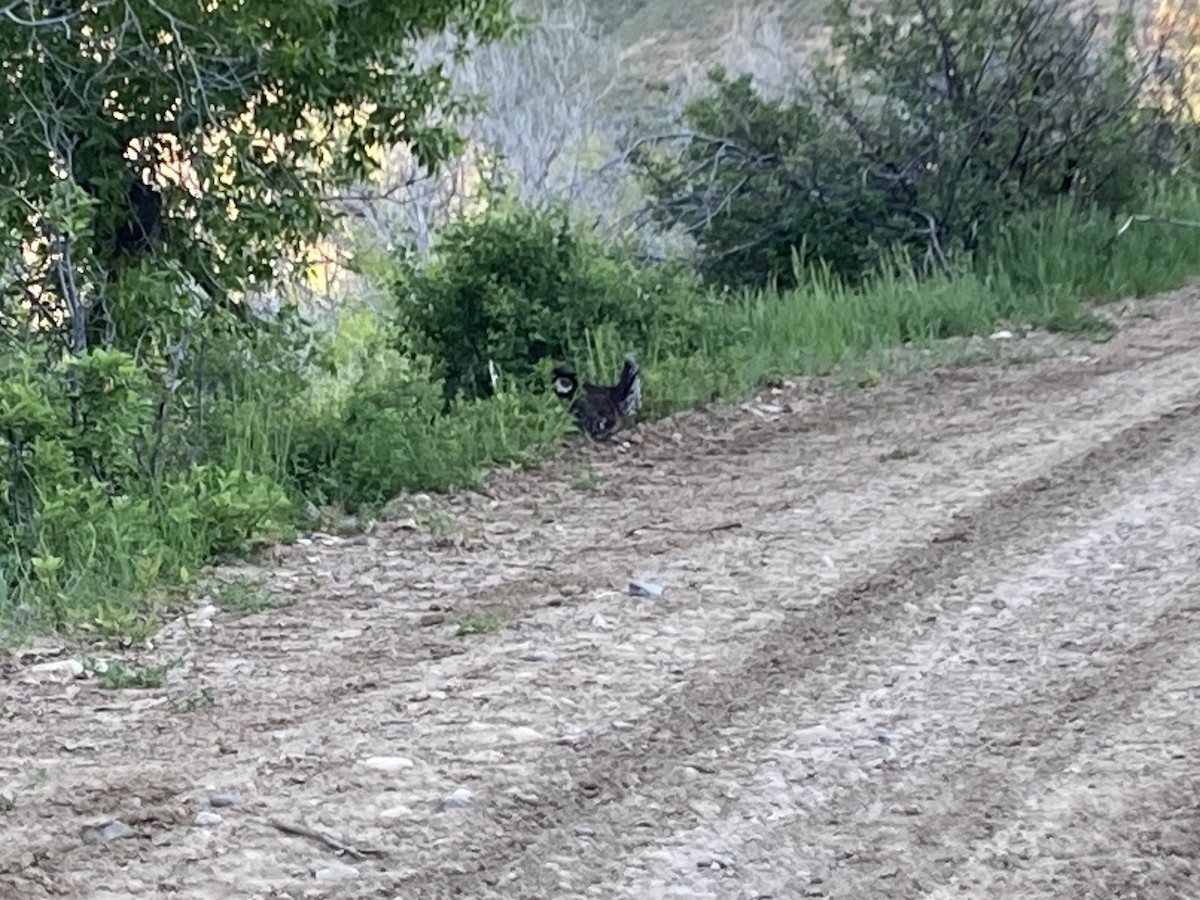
(90, 508)
(223, 511)
(762, 179)
(514, 286)
(393, 432)
(939, 122)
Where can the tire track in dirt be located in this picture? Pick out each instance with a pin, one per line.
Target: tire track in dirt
(1094, 709)
(943, 784)
(1074, 816)
(1022, 516)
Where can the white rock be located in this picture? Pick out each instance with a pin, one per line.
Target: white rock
(817, 734)
(114, 830)
(336, 872)
(388, 763)
(459, 799)
(523, 735)
(645, 589)
(207, 817)
(396, 812)
(58, 670)
(1002, 335)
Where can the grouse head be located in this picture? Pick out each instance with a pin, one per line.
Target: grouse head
(566, 382)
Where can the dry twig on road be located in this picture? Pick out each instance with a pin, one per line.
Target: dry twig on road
(330, 842)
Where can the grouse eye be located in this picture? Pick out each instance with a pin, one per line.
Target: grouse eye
(563, 385)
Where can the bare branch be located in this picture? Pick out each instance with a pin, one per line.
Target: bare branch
(9, 11)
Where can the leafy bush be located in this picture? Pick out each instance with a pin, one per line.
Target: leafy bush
(392, 432)
(938, 122)
(514, 286)
(228, 511)
(85, 504)
(760, 179)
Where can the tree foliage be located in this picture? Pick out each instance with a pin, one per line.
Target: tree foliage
(929, 124)
(160, 161)
(509, 288)
(212, 129)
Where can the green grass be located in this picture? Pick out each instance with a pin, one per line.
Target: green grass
(115, 676)
(243, 595)
(1043, 272)
(202, 699)
(486, 621)
(586, 478)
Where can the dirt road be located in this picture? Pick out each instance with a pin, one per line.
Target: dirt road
(940, 638)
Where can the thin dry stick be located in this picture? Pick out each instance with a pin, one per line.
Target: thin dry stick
(670, 526)
(331, 843)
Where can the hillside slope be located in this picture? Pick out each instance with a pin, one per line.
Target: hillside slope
(663, 37)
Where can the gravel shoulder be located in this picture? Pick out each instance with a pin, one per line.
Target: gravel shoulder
(933, 639)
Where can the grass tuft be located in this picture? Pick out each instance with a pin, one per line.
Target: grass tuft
(115, 676)
(243, 595)
(487, 621)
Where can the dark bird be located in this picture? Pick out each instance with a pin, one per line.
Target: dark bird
(601, 411)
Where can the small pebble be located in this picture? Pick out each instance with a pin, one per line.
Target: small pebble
(336, 872)
(225, 798)
(113, 831)
(543, 656)
(207, 817)
(388, 763)
(430, 619)
(202, 618)
(523, 735)
(813, 735)
(396, 812)
(645, 589)
(459, 799)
